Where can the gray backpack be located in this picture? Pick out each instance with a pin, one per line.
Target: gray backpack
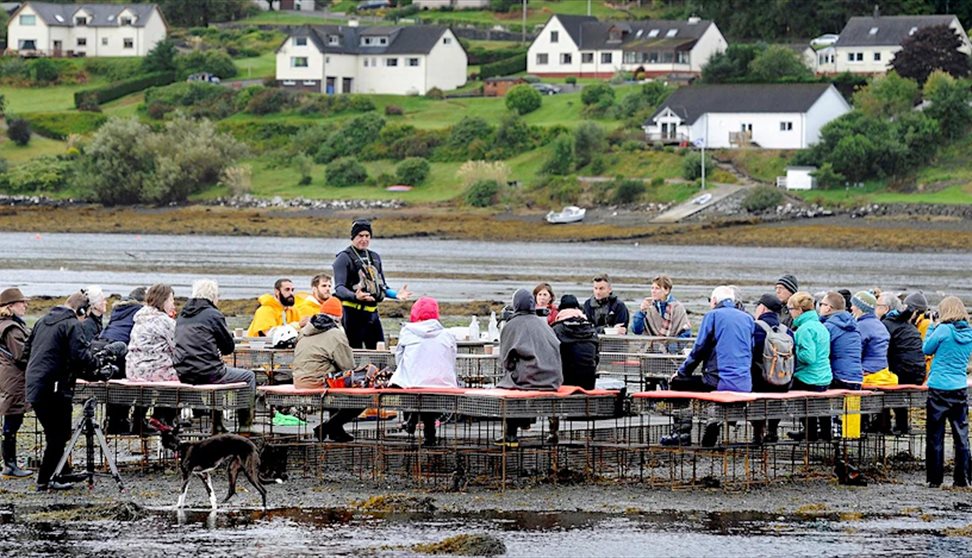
(778, 355)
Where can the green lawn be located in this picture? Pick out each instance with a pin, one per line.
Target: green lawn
(258, 67)
(43, 99)
(877, 192)
(38, 147)
(293, 18)
(538, 12)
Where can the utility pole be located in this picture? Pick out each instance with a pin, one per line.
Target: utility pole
(523, 27)
(588, 7)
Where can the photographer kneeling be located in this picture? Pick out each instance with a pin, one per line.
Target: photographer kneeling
(56, 352)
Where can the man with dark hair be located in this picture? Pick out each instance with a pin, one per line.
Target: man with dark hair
(320, 292)
(359, 283)
(55, 351)
(275, 309)
(604, 309)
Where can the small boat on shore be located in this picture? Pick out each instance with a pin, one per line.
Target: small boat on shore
(570, 214)
(703, 199)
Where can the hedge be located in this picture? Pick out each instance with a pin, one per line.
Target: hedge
(59, 125)
(116, 90)
(505, 67)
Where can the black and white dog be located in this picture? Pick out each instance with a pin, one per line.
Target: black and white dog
(202, 457)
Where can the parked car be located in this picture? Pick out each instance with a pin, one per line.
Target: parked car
(546, 88)
(374, 4)
(203, 76)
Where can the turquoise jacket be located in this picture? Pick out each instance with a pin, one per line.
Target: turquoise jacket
(812, 350)
(951, 343)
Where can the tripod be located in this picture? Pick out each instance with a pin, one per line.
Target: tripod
(90, 429)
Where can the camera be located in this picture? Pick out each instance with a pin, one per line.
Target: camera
(107, 358)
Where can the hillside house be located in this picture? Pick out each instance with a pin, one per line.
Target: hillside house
(585, 47)
(408, 60)
(771, 116)
(46, 29)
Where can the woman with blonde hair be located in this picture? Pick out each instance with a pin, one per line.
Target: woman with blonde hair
(950, 342)
(811, 371)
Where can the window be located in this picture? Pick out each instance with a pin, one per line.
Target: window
(682, 57)
(554, 37)
(81, 20)
(27, 44)
(668, 57)
(366, 62)
(447, 40)
(786, 126)
(653, 33)
(541, 59)
(587, 58)
(104, 41)
(333, 40)
(300, 41)
(412, 62)
(873, 31)
(129, 43)
(126, 21)
(855, 56)
(327, 59)
(82, 41)
(382, 41)
(566, 58)
(671, 33)
(860, 56)
(298, 61)
(391, 62)
(850, 56)
(877, 56)
(652, 57)
(746, 127)
(28, 20)
(606, 58)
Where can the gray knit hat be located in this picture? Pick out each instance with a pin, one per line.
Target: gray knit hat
(789, 283)
(916, 302)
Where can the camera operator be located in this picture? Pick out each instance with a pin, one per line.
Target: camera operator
(55, 351)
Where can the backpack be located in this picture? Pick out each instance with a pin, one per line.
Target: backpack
(778, 355)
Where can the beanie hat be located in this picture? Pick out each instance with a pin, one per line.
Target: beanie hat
(789, 283)
(359, 226)
(771, 303)
(332, 307)
(11, 295)
(916, 302)
(425, 308)
(847, 297)
(137, 294)
(864, 300)
(569, 301)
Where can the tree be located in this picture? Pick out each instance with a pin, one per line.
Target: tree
(200, 13)
(215, 62)
(18, 130)
(346, 171)
(561, 161)
(3, 106)
(949, 104)
(412, 171)
(482, 193)
(732, 64)
(887, 96)
(513, 136)
(523, 99)
(929, 49)
(161, 58)
(776, 64)
(597, 94)
(589, 141)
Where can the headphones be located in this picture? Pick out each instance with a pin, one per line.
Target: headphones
(85, 305)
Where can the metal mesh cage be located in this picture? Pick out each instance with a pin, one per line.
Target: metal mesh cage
(478, 370)
(645, 345)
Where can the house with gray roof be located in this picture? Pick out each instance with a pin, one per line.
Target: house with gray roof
(867, 44)
(47, 29)
(582, 46)
(396, 60)
(766, 115)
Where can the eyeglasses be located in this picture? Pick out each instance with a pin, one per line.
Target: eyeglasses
(792, 308)
(824, 304)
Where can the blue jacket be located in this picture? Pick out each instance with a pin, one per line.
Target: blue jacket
(845, 346)
(951, 344)
(725, 343)
(122, 320)
(874, 343)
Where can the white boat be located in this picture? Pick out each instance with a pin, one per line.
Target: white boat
(570, 214)
(703, 199)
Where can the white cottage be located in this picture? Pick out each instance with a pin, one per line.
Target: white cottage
(407, 60)
(583, 46)
(771, 116)
(867, 45)
(45, 29)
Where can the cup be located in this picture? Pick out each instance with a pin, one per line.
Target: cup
(610, 331)
(239, 332)
(381, 346)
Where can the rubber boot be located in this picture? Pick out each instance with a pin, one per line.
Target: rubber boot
(428, 435)
(244, 419)
(10, 467)
(711, 435)
(681, 434)
(554, 438)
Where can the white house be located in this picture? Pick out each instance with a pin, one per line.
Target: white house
(771, 116)
(287, 5)
(44, 29)
(798, 178)
(867, 45)
(583, 46)
(453, 4)
(407, 60)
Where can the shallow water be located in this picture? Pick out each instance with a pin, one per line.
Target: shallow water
(289, 532)
(453, 270)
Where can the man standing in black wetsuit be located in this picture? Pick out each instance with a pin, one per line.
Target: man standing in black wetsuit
(359, 282)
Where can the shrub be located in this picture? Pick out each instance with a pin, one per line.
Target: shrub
(657, 182)
(238, 179)
(18, 130)
(561, 161)
(523, 99)
(269, 101)
(468, 129)
(473, 171)
(435, 93)
(216, 62)
(627, 191)
(513, 136)
(507, 66)
(346, 171)
(692, 165)
(482, 193)
(59, 125)
(118, 89)
(593, 94)
(161, 58)
(42, 174)
(589, 140)
(353, 136)
(412, 171)
(305, 166)
(571, 80)
(598, 165)
(418, 143)
(393, 110)
(44, 71)
(761, 198)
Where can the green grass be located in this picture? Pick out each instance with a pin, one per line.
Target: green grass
(259, 67)
(292, 18)
(38, 147)
(124, 107)
(538, 12)
(877, 192)
(43, 99)
(762, 164)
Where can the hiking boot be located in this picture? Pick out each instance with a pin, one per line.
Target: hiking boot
(676, 439)
(711, 435)
(54, 485)
(12, 471)
(69, 478)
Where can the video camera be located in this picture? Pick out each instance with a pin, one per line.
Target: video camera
(107, 358)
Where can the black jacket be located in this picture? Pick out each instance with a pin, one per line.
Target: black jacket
(905, 357)
(579, 351)
(92, 325)
(201, 340)
(346, 266)
(122, 321)
(56, 352)
(609, 312)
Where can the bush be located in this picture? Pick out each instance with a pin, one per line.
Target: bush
(239, 180)
(216, 62)
(59, 125)
(523, 99)
(507, 66)
(561, 161)
(594, 94)
(412, 171)
(18, 130)
(571, 80)
(44, 71)
(761, 198)
(269, 101)
(589, 141)
(418, 143)
(393, 110)
(305, 166)
(513, 137)
(598, 165)
(692, 166)
(352, 138)
(118, 89)
(435, 93)
(482, 193)
(161, 58)
(346, 171)
(39, 175)
(627, 191)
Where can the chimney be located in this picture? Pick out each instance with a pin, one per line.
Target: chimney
(694, 20)
(877, 11)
